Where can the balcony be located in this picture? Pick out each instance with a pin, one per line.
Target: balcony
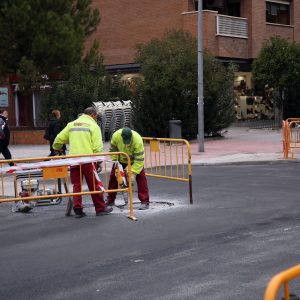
(232, 26)
(223, 35)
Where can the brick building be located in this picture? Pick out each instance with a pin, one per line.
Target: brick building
(233, 30)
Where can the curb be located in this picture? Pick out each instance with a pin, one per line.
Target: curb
(262, 162)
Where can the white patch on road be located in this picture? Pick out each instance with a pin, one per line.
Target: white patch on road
(138, 260)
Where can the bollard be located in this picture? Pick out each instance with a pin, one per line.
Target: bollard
(175, 129)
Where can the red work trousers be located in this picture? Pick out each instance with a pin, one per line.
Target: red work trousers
(142, 186)
(93, 182)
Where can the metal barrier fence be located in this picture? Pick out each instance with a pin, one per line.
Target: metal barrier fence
(281, 279)
(170, 159)
(50, 170)
(257, 124)
(290, 136)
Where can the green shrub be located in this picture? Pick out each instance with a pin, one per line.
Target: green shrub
(168, 89)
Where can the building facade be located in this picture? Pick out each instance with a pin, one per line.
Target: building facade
(233, 30)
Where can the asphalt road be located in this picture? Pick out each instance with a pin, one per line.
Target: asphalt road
(243, 228)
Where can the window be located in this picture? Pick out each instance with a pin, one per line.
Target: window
(224, 7)
(233, 8)
(192, 5)
(196, 5)
(217, 5)
(278, 12)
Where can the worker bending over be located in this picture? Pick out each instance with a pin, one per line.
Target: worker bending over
(129, 141)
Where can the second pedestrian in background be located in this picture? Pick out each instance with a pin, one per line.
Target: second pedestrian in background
(54, 128)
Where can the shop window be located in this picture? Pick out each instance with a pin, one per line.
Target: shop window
(278, 12)
(240, 86)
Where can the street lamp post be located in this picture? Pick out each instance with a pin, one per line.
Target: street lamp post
(200, 82)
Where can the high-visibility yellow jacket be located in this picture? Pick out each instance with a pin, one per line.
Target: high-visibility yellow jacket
(135, 150)
(83, 134)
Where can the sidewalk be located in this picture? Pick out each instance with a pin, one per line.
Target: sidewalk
(239, 145)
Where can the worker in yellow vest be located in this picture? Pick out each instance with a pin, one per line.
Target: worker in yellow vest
(129, 141)
(84, 136)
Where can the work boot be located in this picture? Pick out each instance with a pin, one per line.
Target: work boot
(25, 207)
(106, 211)
(144, 206)
(79, 213)
(108, 203)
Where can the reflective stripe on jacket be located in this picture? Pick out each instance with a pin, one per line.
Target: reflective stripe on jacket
(135, 150)
(83, 134)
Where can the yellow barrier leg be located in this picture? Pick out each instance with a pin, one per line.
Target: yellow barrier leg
(131, 215)
(286, 291)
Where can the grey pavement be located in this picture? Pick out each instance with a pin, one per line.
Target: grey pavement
(238, 145)
(242, 229)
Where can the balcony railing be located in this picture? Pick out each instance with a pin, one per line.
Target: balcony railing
(232, 26)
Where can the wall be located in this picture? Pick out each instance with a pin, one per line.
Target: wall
(209, 32)
(27, 137)
(189, 22)
(124, 24)
(259, 30)
(283, 30)
(258, 26)
(296, 19)
(232, 47)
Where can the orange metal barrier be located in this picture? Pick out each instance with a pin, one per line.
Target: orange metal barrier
(169, 159)
(279, 280)
(50, 170)
(290, 136)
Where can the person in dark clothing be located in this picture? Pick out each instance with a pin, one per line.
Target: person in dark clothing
(4, 135)
(54, 128)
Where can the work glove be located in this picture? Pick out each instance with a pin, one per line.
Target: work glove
(58, 152)
(133, 179)
(99, 166)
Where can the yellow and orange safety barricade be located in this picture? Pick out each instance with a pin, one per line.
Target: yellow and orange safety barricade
(169, 159)
(49, 170)
(290, 136)
(281, 280)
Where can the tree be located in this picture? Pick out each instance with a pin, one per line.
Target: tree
(278, 66)
(43, 36)
(72, 96)
(218, 95)
(169, 88)
(88, 82)
(113, 88)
